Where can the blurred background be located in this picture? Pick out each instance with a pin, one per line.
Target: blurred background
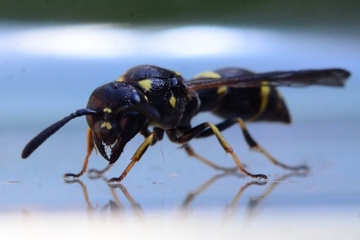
(55, 53)
(239, 13)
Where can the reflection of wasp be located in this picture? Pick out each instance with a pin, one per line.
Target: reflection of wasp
(118, 208)
(115, 205)
(151, 96)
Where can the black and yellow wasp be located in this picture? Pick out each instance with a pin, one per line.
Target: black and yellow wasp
(152, 96)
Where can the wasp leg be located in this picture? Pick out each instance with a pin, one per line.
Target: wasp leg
(251, 142)
(221, 126)
(159, 134)
(89, 149)
(208, 132)
(193, 132)
(189, 150)
(138, 154)
(254, 145)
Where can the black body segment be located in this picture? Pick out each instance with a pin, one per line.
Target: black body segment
(262, 103)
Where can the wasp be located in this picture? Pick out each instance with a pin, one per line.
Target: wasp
(149, 96)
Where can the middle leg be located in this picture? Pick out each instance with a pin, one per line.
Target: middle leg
(195, 131)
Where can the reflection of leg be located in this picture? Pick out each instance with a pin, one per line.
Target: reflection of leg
(255, 201)
(232, 207)
(89, 148)
(139, 152)
(135, 206)
(93, 173)
(195, 131)
(254, 145)
(192, 153)
(190, 197)
(85, 194)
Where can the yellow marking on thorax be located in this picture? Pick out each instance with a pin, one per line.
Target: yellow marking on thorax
(172, 101)
(264, 93)
(221, 90)
(107, 110)
(106, 124)
(120, 79)
(208, 74)
(146, 84)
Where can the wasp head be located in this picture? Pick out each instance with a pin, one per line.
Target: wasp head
(122, 111)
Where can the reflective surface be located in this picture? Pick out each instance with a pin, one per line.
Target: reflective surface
(47, 72)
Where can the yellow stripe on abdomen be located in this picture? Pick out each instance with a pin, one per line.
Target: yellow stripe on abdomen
(264, 93)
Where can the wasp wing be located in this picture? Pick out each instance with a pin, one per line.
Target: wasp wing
(326, 77)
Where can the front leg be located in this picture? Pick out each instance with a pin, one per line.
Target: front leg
(138, 154)
(89, 149)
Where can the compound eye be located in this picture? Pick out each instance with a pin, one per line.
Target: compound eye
(90, 121)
